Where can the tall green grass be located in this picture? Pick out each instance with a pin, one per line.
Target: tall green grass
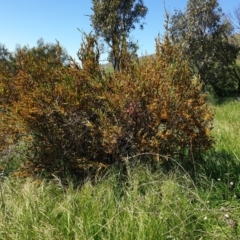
(224, 161)
(151, 204)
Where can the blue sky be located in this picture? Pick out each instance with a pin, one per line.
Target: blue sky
(23, 22)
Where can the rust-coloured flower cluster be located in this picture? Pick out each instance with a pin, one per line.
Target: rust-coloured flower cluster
(80, 118)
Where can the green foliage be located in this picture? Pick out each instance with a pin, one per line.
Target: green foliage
(203, 34)
(4, 56)
(7, 60)
(235, 20)
(114, 20)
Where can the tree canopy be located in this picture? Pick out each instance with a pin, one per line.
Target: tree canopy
(113, 20)
(203, 33)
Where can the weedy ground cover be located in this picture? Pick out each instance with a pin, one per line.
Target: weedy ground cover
(151, 204)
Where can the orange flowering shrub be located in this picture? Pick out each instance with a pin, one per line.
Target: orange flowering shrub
(158, 108)
(80, 117)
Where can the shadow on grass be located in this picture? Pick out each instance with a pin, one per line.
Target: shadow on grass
(217, 166)
(223, 169)
(221, 165)
(218, 101)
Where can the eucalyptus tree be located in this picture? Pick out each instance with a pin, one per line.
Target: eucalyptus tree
(203, 34)
(113, 20)
(234, 18)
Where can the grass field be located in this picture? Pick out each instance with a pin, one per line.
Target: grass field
(150, 205)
